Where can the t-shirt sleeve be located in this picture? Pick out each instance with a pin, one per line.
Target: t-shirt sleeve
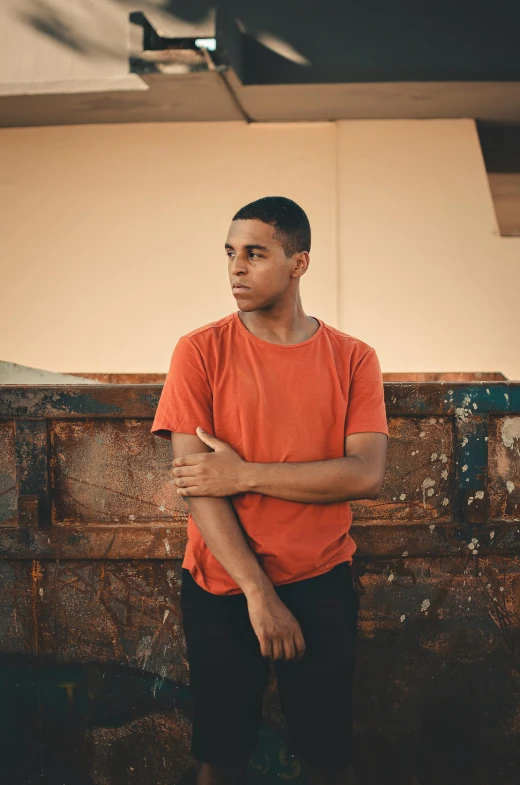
(186, 398)
(366, 403)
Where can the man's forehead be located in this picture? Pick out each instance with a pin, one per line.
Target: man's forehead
(250, 232)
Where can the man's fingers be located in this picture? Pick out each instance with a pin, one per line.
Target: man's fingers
(277, 649)
(288, 648)
(183, 471)
(187, 491)
(299, 644)
(266, 647)
(185, 482)
(190, 460)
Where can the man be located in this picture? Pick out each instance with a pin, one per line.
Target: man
(277, 421)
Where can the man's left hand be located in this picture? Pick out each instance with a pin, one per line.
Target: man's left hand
(218, 473)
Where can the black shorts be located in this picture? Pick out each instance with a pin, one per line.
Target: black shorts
(229, 675)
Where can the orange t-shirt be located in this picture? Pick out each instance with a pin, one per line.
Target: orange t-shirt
(274, 403)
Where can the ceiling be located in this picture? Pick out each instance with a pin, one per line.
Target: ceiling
(296, 61)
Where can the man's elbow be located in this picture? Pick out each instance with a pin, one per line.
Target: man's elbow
(374, 489)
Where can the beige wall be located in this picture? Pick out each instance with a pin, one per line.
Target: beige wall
(112, 239)
(425, 275)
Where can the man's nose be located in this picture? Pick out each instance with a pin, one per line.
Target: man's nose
(238, 265)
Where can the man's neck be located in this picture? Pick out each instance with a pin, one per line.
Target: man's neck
(281, 329)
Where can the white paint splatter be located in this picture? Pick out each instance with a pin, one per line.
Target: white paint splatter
(426, 483)
(444, 474)
(143, 650)
(462, 414)
(445, 501)
(422, 435)
(391, 576)
(167, 546)
(405, 553)
(403, 496)
(425, 605)
(403, 617)
(464, 441)
(430, 491)
(465, 467)
(166, 612)
(475, 406)
(510, 431)
(132, 517)
(434, 456)
(510, 486)
(443, 457)
(431, 527)
(479, 494)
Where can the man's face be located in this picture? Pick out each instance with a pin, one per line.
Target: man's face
(257, 260)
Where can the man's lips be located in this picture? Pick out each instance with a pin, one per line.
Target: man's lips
(240, 286)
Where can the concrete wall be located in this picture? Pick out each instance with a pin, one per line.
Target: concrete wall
(111, 239)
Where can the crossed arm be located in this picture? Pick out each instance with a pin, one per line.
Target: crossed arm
(206, 478)
(357, 475)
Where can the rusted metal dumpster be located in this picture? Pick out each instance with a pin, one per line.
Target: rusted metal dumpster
(92, 653)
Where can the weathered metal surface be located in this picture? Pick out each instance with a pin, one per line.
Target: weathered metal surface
(8, 489)
(504, 467)
(128, 378)
(436, 376)
(92, 536)
(388, 376)
(419, 478)
(110, 471)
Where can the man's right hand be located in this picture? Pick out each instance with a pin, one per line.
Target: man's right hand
(277, 630)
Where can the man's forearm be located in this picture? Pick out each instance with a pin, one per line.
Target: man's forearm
(217, 522)
(314, 482)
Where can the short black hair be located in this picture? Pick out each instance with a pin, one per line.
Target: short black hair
(291, 224)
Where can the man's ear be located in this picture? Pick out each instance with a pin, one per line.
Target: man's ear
(301, 264)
